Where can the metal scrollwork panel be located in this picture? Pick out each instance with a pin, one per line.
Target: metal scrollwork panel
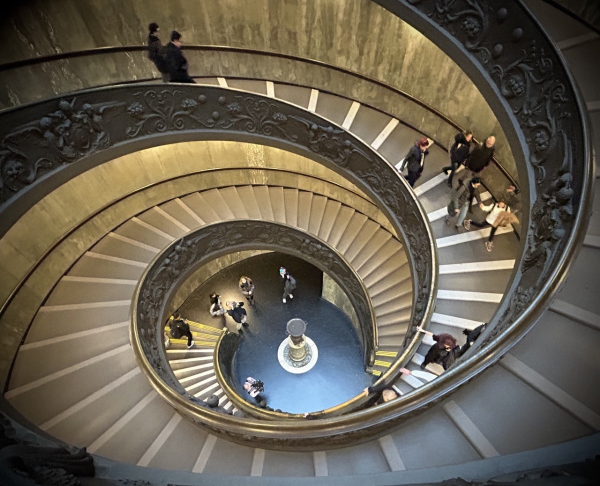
(528, 75)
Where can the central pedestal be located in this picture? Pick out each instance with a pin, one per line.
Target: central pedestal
(297, 353)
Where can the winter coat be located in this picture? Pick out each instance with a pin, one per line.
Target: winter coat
(460, 149)
(498, 216)
(176, 63)
(479, 158)
(238, 313)
(156, 53)
(415, 159)
(179, 328)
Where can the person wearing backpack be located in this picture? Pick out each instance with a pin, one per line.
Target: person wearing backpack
(180, 328)
(289, 284)
(156, 51)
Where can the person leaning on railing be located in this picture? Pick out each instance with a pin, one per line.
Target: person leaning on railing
(444, 351)
(385, 392)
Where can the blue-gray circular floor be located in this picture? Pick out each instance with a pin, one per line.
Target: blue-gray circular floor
(339, 373)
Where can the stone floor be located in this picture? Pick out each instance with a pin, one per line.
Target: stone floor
(339, 373)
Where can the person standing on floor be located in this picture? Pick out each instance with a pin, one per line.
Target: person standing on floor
(462, 200)
(459, 152)
(415, 160)
(254, 388)
(180, 328)
(481, 156)
(216, 308)
(289, 284)
(499, 216)
(246, 286)
(177, 65)
(237, 312)
(156, 51)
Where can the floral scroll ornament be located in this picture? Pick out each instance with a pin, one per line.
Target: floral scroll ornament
(58, 138)
(160, 111)
(255, 115)
(471, 21)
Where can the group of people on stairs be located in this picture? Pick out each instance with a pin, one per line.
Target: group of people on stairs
(467, 193)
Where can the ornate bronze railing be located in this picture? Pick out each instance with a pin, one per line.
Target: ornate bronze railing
(103, 51)
(177, 262)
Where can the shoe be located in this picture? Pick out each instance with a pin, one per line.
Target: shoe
(167, 343)
(449, 184)
(291, 296)
(445, 171)
(467, 224)
(284, 301)
(489, 245)
(245, 324)
(422, 365)
(191, 345)
(447, 220)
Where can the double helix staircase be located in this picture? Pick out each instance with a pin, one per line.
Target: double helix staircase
(75, 376)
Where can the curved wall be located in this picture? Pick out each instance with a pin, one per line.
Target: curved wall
(357, 35)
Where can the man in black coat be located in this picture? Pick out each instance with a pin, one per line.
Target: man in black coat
(177, 65)
(481, 156)
(415, 160)
(458, 153)
(237, 312)
(156, 51)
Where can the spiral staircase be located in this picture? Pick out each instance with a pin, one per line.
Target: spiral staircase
(76, 379)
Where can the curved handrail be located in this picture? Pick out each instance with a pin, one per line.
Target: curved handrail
(175, 263)
(198, 47)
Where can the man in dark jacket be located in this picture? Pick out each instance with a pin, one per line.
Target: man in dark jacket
(462, 199)
(177, 65)
(458, 153)
(237, 312)
(156, 51)
(415, 160)
(180, 328)
(481, 156)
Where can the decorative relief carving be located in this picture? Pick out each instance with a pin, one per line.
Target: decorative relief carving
(55, 139)
(533, 81)
(255, 115)
(25, 462)
(157, 111)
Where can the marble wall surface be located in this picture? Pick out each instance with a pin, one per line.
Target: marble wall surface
(357, 35)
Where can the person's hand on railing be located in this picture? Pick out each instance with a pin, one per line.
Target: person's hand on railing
(420, 329)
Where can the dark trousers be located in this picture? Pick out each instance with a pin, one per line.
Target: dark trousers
(188, 335)
(182, 78)
(485, 224)
(412, 177)
(454, 165)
